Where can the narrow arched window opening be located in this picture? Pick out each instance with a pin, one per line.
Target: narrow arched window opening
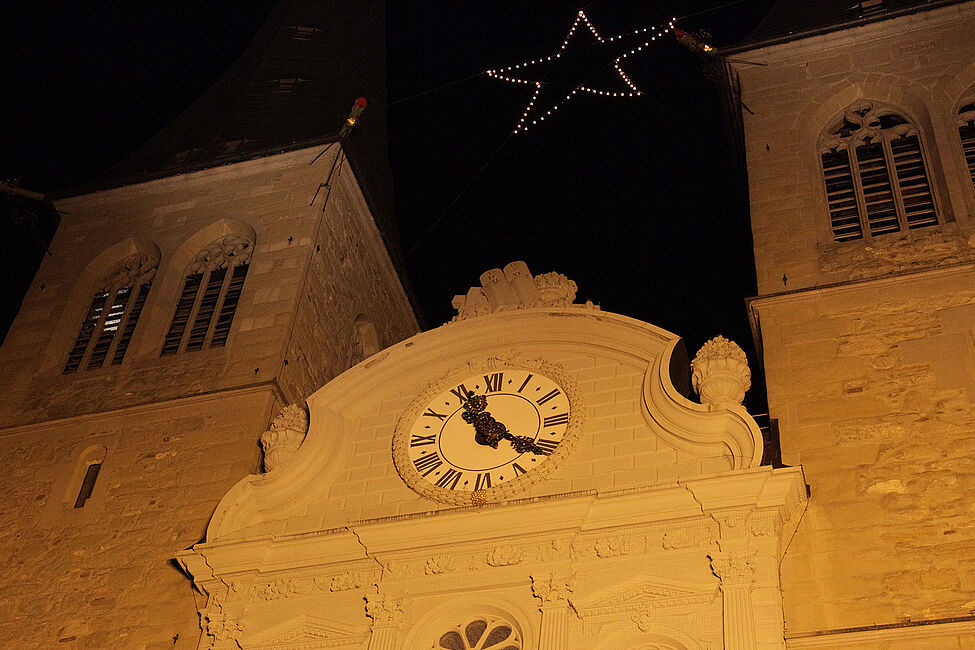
(87, 484)
(116, 305)
(875, 175)
(82, 484)
(211, 292)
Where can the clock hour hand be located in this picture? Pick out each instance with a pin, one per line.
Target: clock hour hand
(489, 432)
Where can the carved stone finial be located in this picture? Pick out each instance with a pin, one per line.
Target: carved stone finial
(282, 439)
(720, 373)
(515, 288)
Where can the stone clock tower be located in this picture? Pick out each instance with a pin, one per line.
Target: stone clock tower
(189, 294)
(525, 477)
(860, 149)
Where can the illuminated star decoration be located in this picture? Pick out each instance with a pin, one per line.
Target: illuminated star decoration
(531, 117)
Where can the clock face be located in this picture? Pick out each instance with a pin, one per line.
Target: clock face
(458, 448)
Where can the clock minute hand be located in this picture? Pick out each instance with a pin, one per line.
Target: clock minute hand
(491, 431)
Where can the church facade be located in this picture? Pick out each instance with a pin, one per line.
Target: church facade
(223, 429)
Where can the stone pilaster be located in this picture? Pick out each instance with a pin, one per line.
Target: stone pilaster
(553, 591)
(387, 615)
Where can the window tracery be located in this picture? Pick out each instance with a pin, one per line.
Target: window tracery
(207, 304)
(966, 131)
(482, 633)
(876, 178)
(116, 305)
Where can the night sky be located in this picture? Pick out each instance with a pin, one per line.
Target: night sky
(633, 198)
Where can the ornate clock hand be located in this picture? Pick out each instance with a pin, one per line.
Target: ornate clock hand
(488, 431)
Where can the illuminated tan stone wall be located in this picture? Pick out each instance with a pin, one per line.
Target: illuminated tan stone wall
(101, 576)
(868, 344)
(178, 431)
(871, 385)
(268, 198)
(921, 65)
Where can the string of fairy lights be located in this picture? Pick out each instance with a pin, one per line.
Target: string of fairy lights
(531, 118)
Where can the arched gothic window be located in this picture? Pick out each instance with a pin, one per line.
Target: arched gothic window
(876, 179)
(206, 307)
(483, 633)
(113, 314)
(966, 130)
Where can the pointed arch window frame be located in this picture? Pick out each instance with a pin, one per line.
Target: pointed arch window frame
(965, 127)
(208, 301)
(112, 316)
(874, 187)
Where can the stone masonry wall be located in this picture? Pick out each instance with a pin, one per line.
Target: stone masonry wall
(180, 215)
(923, 65)
(101, 576)
(350, 275)
(873, 385)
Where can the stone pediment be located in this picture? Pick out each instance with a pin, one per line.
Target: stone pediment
(645, 593)
(306, 632)
(359, 412)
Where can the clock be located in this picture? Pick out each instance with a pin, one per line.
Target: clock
(488, 431)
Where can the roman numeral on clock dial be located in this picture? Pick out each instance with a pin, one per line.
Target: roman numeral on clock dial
(427, 464)
(493, 382)
(552, 394)
(450, 478)
(420, 440)
(556, 420)
(483, 481)
(547, 446)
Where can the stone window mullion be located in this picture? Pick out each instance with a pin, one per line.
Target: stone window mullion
(194, 312)
(100, 329)
(895, 184)
(858, 189)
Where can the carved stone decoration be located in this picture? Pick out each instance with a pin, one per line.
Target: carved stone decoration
(282, 439)
(135, 270)
(734, 569)
(383, 609)
(438, 564)
(221, 629)
(551, 588)
(644, 617)
(226, 252)
(613, 546)
(515, 288)
(347, 581)
(720, 373)
(504, 556)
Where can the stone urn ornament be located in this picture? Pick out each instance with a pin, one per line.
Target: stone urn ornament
(720, 374)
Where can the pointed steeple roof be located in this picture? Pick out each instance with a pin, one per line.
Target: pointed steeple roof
(292, 87)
